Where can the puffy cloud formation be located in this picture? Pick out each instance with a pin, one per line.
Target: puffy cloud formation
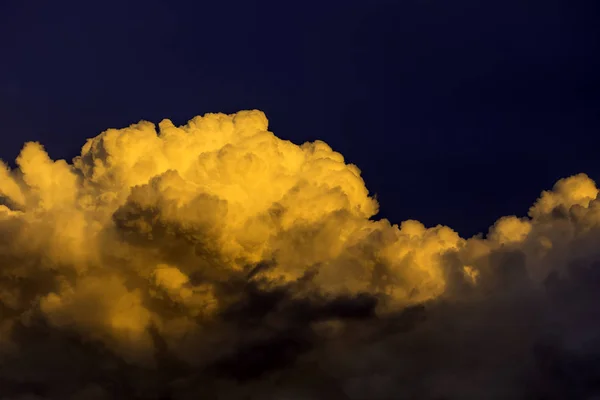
(215, 260)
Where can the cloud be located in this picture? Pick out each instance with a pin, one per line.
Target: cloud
(217, 260)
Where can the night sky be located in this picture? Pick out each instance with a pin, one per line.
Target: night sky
(456, 112)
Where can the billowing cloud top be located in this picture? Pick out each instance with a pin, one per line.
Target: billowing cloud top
(176, 262)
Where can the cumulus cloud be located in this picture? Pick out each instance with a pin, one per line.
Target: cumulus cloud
(215, 260)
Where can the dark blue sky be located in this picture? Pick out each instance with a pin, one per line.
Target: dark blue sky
(456, 112)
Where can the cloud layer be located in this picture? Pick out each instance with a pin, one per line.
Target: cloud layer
(215, 260)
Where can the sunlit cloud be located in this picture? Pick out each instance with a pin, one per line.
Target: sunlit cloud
(162, 260)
